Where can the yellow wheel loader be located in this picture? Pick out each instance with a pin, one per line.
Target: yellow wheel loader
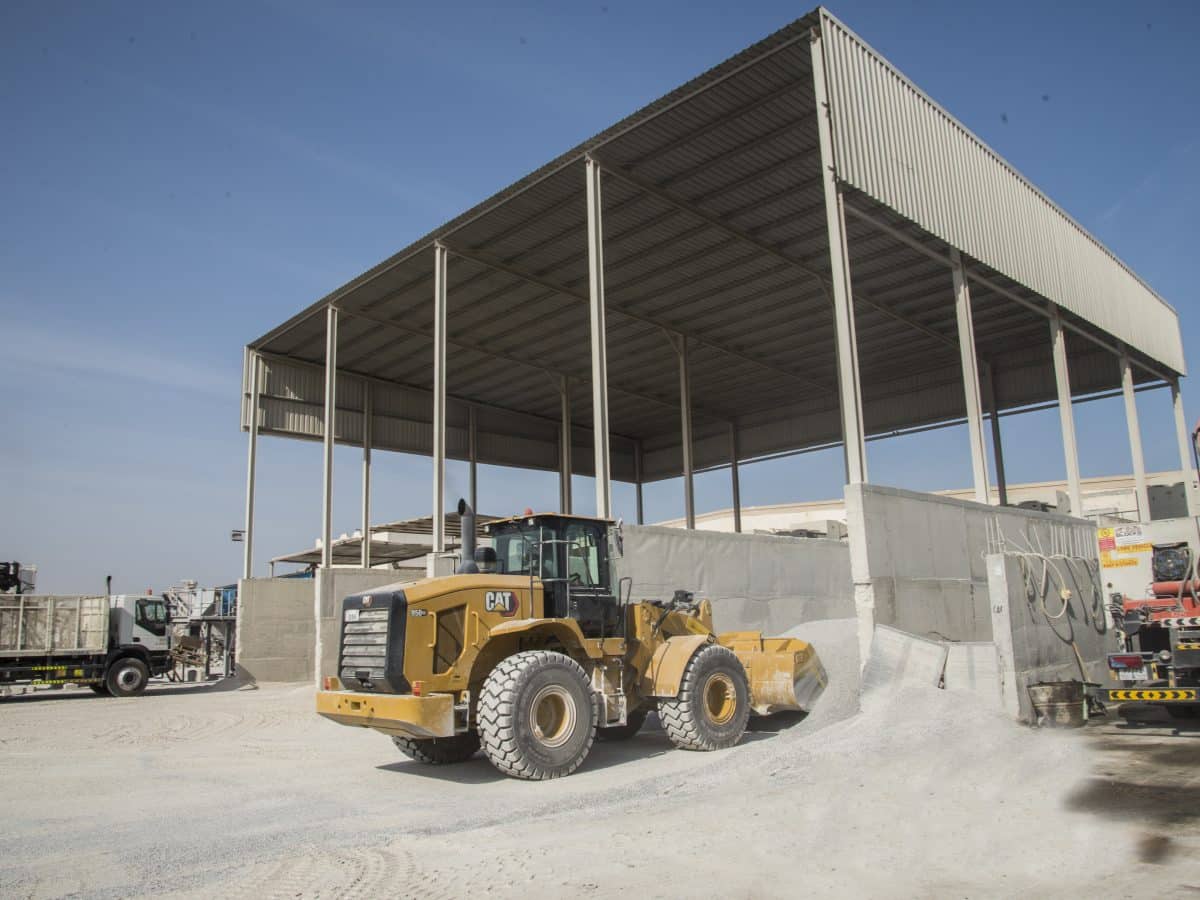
(530, 652)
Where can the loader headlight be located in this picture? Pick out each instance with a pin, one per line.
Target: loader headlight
(1164, 656)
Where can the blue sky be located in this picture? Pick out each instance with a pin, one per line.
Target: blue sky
(177, 178)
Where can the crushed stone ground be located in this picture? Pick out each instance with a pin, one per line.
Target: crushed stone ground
(202, 792)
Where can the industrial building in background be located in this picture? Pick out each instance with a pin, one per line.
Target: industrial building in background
(798, 249)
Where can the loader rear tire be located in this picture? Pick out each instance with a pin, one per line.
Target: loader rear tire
(537, 715)
(633, 724)
(439, 751)
(713, 704)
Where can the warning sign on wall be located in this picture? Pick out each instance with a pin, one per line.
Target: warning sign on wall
(1122, 545)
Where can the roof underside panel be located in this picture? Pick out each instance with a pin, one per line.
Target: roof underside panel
(895, 144)
(714, 233)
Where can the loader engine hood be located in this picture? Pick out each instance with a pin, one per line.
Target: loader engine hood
(371, 652)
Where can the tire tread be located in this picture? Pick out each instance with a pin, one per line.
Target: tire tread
(680, 717)
(494, 714)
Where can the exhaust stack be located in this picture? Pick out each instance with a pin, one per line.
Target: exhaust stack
(466, 526)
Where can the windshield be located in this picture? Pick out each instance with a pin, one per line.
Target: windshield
(574, 551)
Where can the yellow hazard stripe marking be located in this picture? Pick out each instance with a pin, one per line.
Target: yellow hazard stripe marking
(1167, 694)
(1187, 646)
(65, 680)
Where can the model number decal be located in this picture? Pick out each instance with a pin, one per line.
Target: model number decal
(503, 602)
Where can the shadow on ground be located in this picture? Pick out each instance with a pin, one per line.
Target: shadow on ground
(154, 689)
(650, 742)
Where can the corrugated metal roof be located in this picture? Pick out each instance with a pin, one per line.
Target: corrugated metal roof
(714, 228)
(896, 144)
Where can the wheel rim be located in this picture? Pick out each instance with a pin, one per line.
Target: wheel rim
(129, 677)
(552, 715)
(720, 698)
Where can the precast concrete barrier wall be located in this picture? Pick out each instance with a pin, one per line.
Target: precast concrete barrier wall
(288, 628)
(1040, 633)
(275, 634)
(755, 581)
(917, 560)
(984, 583)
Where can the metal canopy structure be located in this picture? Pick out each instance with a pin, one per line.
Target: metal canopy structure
(796, 249)
(390, 543)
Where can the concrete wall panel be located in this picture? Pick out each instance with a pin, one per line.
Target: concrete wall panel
(755, 582)
(917, 560)
(1039, 642)
(275, 640)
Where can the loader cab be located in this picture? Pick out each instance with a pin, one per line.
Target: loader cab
(569, 554)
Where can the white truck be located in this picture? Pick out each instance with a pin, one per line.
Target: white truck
(113, 644)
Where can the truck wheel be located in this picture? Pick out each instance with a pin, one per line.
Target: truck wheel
(633, 724)
(100, 688)
(127, 677)
(439, 751)
(537, 716)
(713, 704)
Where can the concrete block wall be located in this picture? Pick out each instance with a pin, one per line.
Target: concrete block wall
(755, 581)
(917, 560)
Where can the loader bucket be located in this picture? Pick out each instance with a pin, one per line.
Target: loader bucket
(784, 673)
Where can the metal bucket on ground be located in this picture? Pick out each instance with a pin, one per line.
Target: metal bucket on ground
(1059, 704)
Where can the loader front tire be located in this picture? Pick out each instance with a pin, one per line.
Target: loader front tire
(439, 751)
(713, 704)
(537, 715)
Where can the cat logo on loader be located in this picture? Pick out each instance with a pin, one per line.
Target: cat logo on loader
(529, 653)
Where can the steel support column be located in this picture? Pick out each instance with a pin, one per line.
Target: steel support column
(368, 423)
(564, 445)
(1062, 379)
(997, 445)
(637, 475)
(735, 481)
(970, 370)
(473, 457)
(849, 386)
(439, 398)
(680, 343)
(330, 433)
(251, 460)
(595, 245)
(1184, 435)
(1135, 441)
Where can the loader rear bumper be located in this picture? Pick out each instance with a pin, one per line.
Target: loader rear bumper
(1152, 695)
(395, 714)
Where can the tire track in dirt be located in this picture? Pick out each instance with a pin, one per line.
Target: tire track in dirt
(341, 873)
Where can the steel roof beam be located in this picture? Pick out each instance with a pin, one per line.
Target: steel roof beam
(784, 130)
(521, 361)
(805, 266)
(486, 259)
(1043, 308)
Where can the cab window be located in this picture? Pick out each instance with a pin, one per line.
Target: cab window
(151, 614)
(587, 554)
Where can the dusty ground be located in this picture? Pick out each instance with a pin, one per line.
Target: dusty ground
(246, 793)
